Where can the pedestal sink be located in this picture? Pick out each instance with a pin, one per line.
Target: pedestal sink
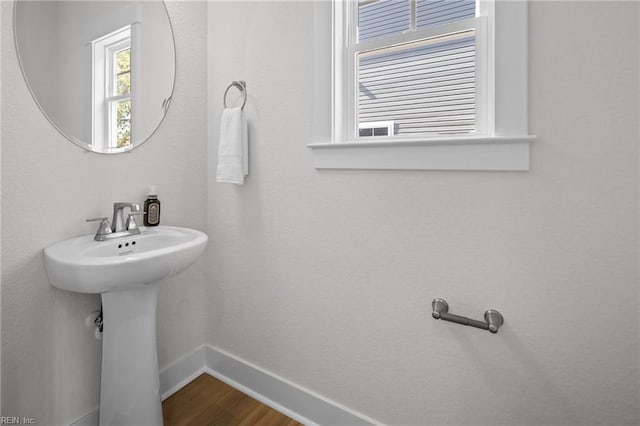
(125, 271)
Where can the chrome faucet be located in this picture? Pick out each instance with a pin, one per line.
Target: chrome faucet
(119, 227)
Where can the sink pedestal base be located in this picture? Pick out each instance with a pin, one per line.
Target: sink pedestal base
(130, 387)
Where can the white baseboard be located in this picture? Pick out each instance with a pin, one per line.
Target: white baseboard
(91, 419)
(287, 397)
(283, 395)
(182, 371)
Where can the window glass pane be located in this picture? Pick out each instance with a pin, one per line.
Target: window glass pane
(122, 72)
(122, 131)
(123, 83)
(383, 17)
(123, 61)
(425, 87)
(435, 12)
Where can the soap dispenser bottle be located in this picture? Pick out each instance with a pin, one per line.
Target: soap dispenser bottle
(152, 208)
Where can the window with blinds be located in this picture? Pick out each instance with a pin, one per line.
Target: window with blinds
(414, 67)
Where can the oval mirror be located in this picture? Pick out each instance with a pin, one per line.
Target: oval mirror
(102, 72)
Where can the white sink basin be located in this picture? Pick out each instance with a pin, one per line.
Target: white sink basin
(125, 271)
(87, 266)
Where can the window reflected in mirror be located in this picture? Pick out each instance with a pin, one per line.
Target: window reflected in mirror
(112, 90)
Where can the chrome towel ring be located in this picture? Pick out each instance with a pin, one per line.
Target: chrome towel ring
(240, 85)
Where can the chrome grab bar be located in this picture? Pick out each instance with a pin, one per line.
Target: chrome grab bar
(493, 319)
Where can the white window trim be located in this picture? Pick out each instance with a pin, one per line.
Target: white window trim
(504, 146)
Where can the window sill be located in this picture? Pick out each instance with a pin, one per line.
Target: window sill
(495, 153)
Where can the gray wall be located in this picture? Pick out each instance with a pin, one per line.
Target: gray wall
(326, 278)
(50, 360)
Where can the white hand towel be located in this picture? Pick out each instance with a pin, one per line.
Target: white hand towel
(233, 152)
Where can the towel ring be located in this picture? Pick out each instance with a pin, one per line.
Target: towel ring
(240, 85)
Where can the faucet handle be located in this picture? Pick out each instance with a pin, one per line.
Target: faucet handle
(118, 223)
(95, 219)
(131, 224)
(103, 229)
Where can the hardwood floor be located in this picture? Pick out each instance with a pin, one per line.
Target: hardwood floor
(208, 401)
